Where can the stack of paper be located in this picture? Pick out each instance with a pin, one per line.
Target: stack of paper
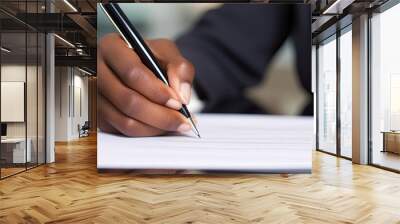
(245, 143)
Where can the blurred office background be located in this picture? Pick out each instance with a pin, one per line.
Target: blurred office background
(47, 76)
(171, 20)
(376, 111)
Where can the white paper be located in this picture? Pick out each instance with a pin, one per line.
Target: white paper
(247, 143)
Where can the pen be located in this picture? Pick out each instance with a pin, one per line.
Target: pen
(135, 41)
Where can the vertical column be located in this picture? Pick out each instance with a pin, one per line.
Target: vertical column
(50, 92)
(360, 90)
(314, 89)
(92, 100)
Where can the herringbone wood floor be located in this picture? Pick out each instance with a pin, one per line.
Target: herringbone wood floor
(71, 191)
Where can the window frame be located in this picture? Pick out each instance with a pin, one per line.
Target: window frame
(343, 26)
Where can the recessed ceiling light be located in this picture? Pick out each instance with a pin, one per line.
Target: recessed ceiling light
(5, 50)
(64, 40)
(84, 71)
(337, 7)
(70, 5)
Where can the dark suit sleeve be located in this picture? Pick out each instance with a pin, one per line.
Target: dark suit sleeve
(230, 48)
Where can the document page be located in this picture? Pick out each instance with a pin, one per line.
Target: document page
(237, 143)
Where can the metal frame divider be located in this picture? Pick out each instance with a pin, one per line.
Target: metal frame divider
(338, 98)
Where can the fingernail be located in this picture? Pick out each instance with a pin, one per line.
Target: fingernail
(185, 92)
(174, 104)
(184, 127)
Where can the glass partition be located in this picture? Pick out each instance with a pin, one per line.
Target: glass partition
(22, 89)
(13, 110)
(41, 97)
(31, 99)
(33, 64)
(327, 95)
(346, 92)
(385, 89)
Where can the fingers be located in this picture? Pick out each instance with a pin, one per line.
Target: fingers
(179, 70)
(135, 105)
(130, 70)
(133, 101)
(105, 126)
(113, 121)
(181, 75)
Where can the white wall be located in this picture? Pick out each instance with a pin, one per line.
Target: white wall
(15, 73)
(12, 100)
(61, 103)
(70, 84)
(81, 100)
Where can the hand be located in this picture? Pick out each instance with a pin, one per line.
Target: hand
(132, 100)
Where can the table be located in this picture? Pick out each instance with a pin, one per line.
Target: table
(13, 150)
(391, 141)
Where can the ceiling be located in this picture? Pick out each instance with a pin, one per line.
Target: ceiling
(23, 23)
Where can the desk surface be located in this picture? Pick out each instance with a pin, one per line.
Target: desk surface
(390, 132)
(13, 140)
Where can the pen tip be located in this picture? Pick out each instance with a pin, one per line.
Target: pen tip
(194, 128)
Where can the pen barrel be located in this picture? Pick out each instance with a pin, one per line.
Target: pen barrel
(185, 111)
(133, 38)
